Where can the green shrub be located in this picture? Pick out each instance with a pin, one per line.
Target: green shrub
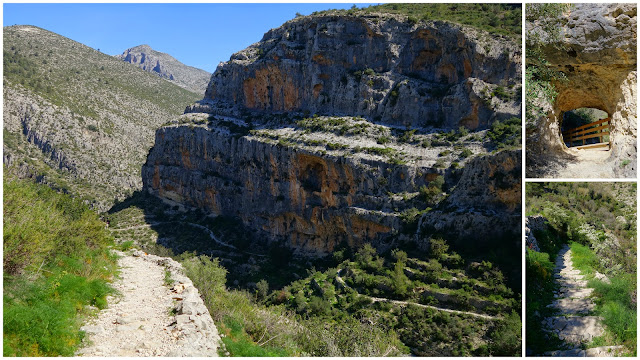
(507, 336)
(56, 262)
(506, 133)
(465, 153)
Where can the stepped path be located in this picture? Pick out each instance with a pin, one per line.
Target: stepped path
(573, 303)
(150, 317)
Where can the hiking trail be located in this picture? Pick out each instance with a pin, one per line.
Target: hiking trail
(148, 316)
(574, 303)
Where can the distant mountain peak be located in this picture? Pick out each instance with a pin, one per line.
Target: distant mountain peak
(167, 67)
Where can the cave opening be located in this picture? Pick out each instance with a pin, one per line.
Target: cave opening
(586, 128)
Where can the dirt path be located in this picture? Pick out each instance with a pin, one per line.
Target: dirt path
(149, 318)
(574, 303)
(405, 303)
(585, 163)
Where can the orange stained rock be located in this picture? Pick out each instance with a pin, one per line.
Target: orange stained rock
(156, 177)
(431, 176)
(270, 88)
(471, 121)
(317, 88)
(364, 230)
(448, 71)
(467, 68)
(184, 154)
(320, 59)
(211, 201)
(511, 197)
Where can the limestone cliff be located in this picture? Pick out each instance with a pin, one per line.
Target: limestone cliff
(377, 66)
(401, 112)
(315, 200)
(484, 207)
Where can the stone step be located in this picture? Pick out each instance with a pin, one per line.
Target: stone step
(606, 351)
(574, 293)
(575, 329)
(573, 306)
(568, 277)
(572, 283)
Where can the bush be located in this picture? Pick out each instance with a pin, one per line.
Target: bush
(507, 133)
(507, 336)
(56, 262)
(465, 153)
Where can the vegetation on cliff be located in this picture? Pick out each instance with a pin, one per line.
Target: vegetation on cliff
(56, 269)
(598, 220)
(503, 19)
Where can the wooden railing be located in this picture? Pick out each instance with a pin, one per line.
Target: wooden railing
(589, 131)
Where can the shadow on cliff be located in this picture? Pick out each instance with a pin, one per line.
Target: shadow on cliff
(178, 230)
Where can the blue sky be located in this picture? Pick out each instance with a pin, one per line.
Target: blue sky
(200, 35)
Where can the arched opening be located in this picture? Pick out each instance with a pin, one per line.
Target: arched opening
(586, 128)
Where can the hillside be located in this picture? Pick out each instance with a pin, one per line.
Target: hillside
(167, 67)
(78, 119)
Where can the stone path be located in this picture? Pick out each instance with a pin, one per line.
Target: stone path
(149, 318)
(573, 304)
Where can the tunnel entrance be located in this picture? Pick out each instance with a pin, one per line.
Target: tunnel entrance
(586, 128)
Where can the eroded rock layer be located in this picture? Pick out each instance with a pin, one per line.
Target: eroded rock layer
(315, 201)
(378, 66)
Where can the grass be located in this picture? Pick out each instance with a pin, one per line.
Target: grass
(614, 300)
(615, 305)
(540, 287)
(168, 280)
(238, 343)
(583, 258)
(56, 263)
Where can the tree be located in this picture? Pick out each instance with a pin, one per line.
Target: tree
(438, 247)
(262, 289)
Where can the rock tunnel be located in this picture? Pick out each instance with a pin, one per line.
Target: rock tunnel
(598, 58)
(586, 128)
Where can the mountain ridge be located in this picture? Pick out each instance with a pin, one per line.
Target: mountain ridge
(167, 67)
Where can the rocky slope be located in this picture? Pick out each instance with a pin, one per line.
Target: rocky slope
(78, 119)
(598, 58)
(379, 66)
(167, 67)
(313, 183)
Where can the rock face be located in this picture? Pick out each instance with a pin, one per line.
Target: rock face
(485, 204)
(315, 201)
(599, 61)
(531, 224)
(167, 67)
(312, 201)
(237, 152)
(380, 67)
